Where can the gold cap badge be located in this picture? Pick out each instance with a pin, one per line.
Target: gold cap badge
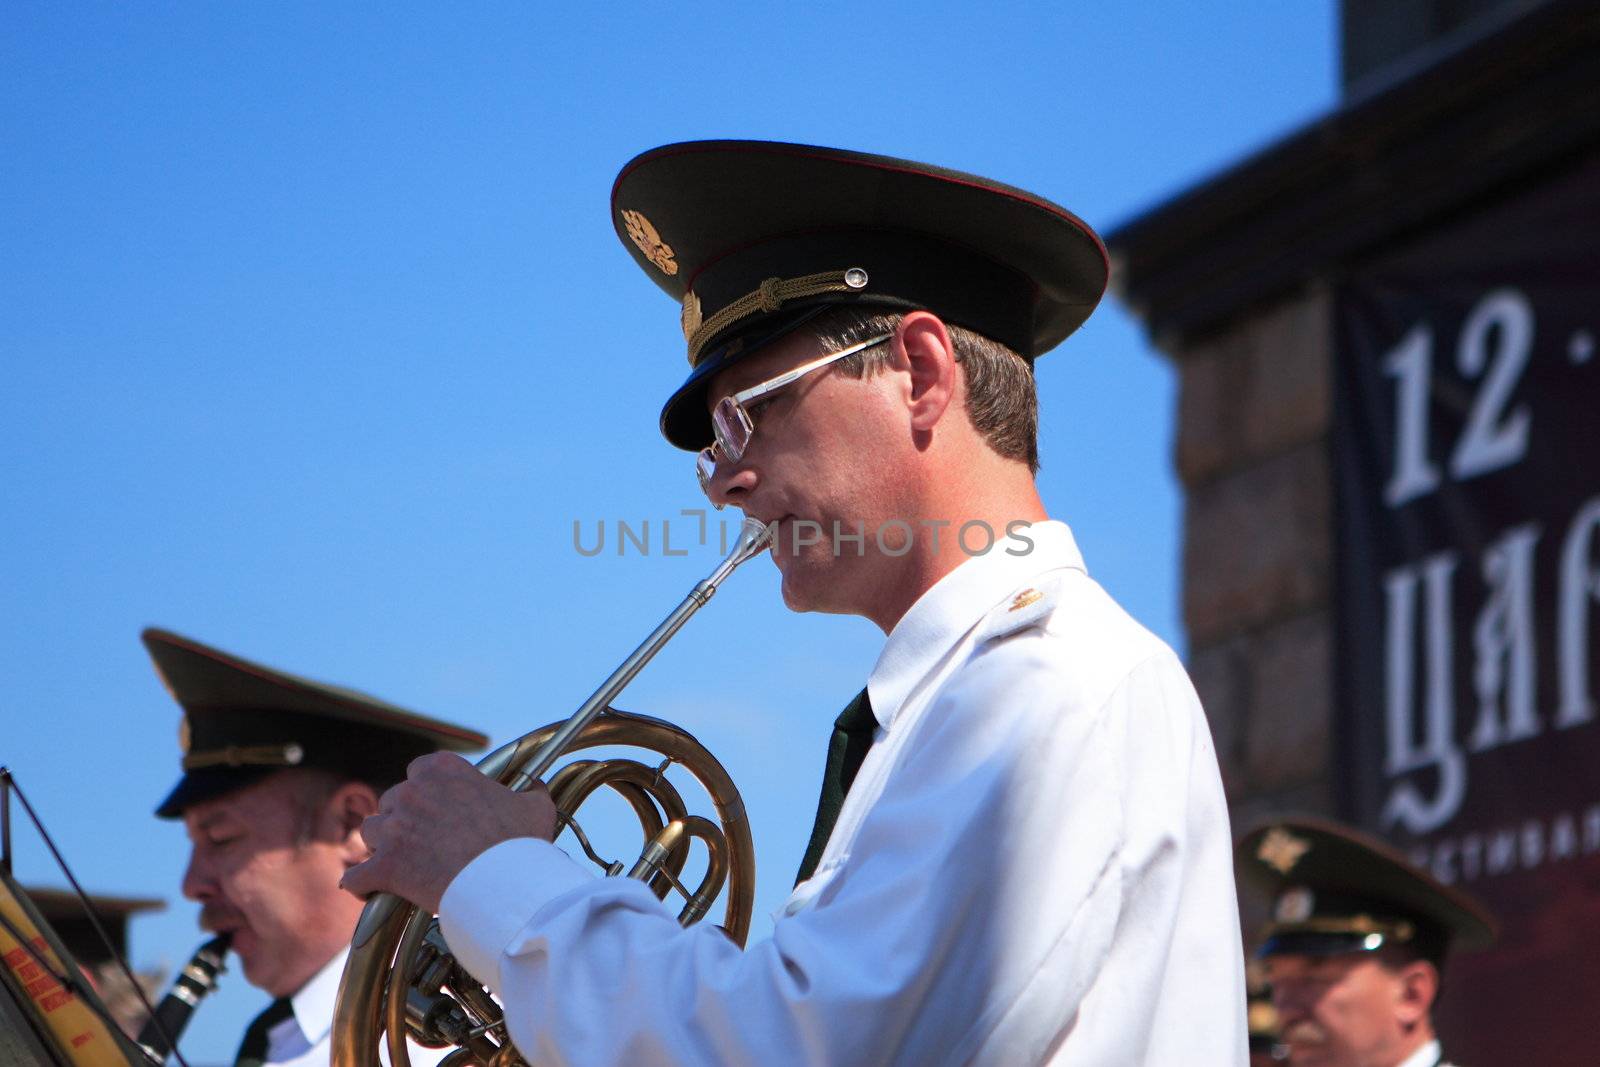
(650, 243)
(1294, 906)
(183, 735)
(1281, 850)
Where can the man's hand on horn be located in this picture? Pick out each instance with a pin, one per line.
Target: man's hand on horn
(437, 821)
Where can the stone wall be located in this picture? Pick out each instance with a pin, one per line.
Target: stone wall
(1252, 452)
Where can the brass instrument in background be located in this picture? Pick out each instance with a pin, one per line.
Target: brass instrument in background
(401, 982)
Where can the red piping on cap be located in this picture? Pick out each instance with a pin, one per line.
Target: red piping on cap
(808, 152)
(167, 637)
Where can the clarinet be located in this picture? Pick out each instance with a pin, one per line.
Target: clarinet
(191, 985)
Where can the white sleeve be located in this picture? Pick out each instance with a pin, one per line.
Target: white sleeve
(967, 923)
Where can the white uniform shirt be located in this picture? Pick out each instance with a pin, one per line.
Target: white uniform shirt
(1033, 866)
(1429, 1055)
(304, 1038)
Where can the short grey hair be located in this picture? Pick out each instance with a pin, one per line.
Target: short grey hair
(309, 790)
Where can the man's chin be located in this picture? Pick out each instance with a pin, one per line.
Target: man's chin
(794, 597)
(243, 943)
(255, 971)
(811, 588)
(257, 966)
(799, 581)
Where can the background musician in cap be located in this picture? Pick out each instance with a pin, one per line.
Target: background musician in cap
(279, 773)
(1356, 944)
(1022, 853)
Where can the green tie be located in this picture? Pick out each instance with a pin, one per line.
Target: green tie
(852, 736)
(253, 1049)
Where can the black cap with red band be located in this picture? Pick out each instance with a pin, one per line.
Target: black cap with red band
(753, 237)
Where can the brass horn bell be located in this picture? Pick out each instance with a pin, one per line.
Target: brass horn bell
(400, 981)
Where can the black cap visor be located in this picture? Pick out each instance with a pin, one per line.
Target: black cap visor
(1320, 943)
(208, 783)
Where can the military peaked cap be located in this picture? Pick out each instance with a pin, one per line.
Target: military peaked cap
(65, 911)
(1336, 890)
(243, 721)
(753, 238)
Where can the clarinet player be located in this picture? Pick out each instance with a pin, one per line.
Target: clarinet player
(278, 774)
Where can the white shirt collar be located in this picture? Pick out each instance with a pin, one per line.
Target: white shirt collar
(956, 603)
(313, 1004)
(1426, 1056)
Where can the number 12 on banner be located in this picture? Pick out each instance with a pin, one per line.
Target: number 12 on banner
(1493, 437)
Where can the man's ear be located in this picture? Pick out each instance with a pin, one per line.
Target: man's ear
(347, 809)
(1419, 985)
(931, 361)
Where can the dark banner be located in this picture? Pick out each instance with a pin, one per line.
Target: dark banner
(1467, 467)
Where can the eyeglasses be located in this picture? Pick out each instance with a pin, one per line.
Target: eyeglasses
(732, 425)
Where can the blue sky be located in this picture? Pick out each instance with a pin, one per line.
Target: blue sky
(317, 342)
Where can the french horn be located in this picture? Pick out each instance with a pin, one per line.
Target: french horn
(400, 981)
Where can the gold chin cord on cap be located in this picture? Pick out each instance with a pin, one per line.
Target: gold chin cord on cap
(400, 980)
(1398, 930)
(768, 297)
(285, 755)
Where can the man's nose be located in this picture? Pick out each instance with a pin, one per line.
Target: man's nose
(197, 881)
(732, 483)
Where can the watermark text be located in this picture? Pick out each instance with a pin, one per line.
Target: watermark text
(693, 528)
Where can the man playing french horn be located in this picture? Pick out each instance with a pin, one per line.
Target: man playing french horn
(1022, 853)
